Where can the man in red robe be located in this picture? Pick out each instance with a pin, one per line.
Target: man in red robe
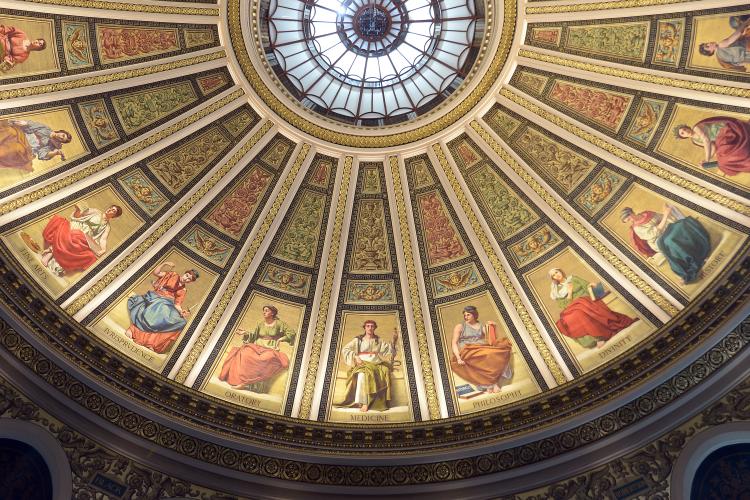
(73, 245)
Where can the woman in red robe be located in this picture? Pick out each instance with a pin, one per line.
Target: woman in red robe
(584, 317)
(727, 139)
(254, 364)
(15, 46)
(74, 245)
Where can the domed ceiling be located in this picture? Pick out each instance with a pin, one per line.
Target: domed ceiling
(367, 213)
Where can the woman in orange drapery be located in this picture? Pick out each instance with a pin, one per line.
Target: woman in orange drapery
(477, 357)
(253, 365)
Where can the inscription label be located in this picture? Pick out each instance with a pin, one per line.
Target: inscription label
(499, 398)
(617, 346)
(124, 343)
(368, 418)
(241, 398)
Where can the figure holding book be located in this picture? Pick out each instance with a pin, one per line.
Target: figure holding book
(479, 357)
(585, 317)
(157, 317)
(670, 235)
(723, 138)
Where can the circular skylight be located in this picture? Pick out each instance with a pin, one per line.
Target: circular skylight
(372, 62)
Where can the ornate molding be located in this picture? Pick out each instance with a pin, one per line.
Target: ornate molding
(575, 223)
(635, 75)
(528, 323)
(322, 473)
(325, 298)
(234, 284)
(649, 469)
(411, 274)
(89, 81)
(636, 160)
(94, 467)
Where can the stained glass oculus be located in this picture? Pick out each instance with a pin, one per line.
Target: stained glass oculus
(372, 62)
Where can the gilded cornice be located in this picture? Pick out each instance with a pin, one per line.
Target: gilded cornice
(575, 223)
(87, 469)
(239, 273)
(515, 298)
(283, 432)
(652, 465)
(657, 457)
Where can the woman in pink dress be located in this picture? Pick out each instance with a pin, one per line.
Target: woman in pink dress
(253, 365)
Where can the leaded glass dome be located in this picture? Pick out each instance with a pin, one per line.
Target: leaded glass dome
(372, 62)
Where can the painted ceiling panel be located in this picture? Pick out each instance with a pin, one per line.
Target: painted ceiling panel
(550, 217)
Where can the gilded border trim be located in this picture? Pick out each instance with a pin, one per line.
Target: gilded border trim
(129, 7)
(368, 140)
(411, 274)
(173, 219)
(574, 223)
(325, 298)
(637, 76)
(531, 328)
(234, 284)
(40, 193)
(663, 173)
(587, 7)
(112, 77)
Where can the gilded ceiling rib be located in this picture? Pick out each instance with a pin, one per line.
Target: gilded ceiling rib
(665, 174)
(574, 223)
(528, 323)
(325, 298)
(89, 81)
(587, 7)
(40, 193)
(234, 284)
(424, 350)
(132, 7)
(173, 220)
(712, 88)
